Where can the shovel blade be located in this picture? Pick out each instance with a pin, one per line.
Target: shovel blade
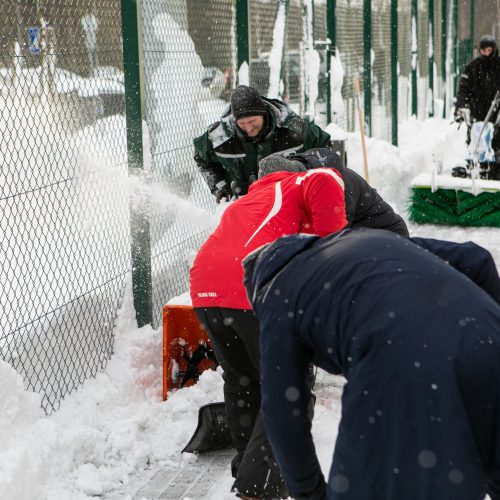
(212, 432)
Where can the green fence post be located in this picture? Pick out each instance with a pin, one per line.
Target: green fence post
(394, 72)
(444, 36)
(414, 56)
(242, 38)
(431, 55)
(367, 63)
(331, 50)
(139, 220)
(285, 4)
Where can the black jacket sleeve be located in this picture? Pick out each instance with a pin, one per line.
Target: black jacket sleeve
(213, 172)
(367, 207)
(470, 259)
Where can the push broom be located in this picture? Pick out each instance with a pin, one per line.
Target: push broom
(443, 199)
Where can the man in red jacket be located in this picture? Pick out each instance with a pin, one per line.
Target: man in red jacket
(285, 200)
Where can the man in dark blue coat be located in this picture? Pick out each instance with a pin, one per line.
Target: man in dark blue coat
(414, 326)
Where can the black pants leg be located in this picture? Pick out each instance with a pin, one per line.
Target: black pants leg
(234, 335)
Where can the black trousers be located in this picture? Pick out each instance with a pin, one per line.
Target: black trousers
(234, 334)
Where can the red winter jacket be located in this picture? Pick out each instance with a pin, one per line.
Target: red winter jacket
(276, 205)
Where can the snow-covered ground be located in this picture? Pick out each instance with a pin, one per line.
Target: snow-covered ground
(115, 431)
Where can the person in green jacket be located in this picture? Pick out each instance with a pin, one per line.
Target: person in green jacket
(254, 127)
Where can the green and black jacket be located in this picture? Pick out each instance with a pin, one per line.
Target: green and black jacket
(223, 153)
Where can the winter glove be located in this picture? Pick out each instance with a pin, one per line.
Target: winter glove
(223, 193)
(462, 115)
(236, 189)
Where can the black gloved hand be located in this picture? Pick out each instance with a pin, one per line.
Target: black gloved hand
(252, 179)
(236, 189)
(223, 193)
(458, 116)
(462, 115)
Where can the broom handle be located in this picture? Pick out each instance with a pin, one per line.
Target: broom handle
(361, 129)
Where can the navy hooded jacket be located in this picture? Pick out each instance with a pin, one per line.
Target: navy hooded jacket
(419, 344)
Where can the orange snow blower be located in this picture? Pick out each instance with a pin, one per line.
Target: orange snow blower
(186, 348)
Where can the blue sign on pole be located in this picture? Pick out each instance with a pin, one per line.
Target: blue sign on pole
(34, 40)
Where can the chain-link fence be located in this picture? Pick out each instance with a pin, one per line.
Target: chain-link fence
(381, 69)
(64, 242)
(67, 241)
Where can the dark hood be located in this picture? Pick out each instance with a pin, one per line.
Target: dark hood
(320, 158)
(262, 265)
(488, 41)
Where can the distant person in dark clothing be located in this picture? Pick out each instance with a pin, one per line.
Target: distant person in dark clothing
(478, 84)
(364, 206)
(254, 127)
(414, 326)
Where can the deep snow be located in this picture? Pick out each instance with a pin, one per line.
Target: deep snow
(114, 432)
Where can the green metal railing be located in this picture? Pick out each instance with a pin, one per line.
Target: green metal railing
(100, 102)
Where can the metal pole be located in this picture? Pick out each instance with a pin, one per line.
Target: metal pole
(367, 76)
(444, 36)
(394, 72)
(431, 55)
(455, 45)
(414, 56)
(331, 51)
(139, 220)
(242, 38)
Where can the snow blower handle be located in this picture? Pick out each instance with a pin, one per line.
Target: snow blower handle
(493, 108)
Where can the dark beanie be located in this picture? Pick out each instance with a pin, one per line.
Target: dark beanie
(246, 101)
(278, 163)
(487, 41)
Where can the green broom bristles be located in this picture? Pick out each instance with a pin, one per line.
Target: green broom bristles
(454, 207)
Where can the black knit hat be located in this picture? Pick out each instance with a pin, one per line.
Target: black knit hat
(487, 41)
(246, 101)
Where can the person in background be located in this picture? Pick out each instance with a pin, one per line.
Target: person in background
(252, 128)
(284, 200)
(414, 326)
(478, 84)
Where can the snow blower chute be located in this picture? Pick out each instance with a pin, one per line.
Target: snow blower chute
(469, 195)
(186, 354)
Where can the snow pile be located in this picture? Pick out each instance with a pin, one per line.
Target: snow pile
(111, 427)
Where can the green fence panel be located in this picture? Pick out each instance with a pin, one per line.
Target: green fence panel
(381, 69)
(423, 99)
(350, 51)
(321, 44)
(64, 224)
(65, 189)
(262, 19)
(438, 89)
(404, 59)
(187, 57)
